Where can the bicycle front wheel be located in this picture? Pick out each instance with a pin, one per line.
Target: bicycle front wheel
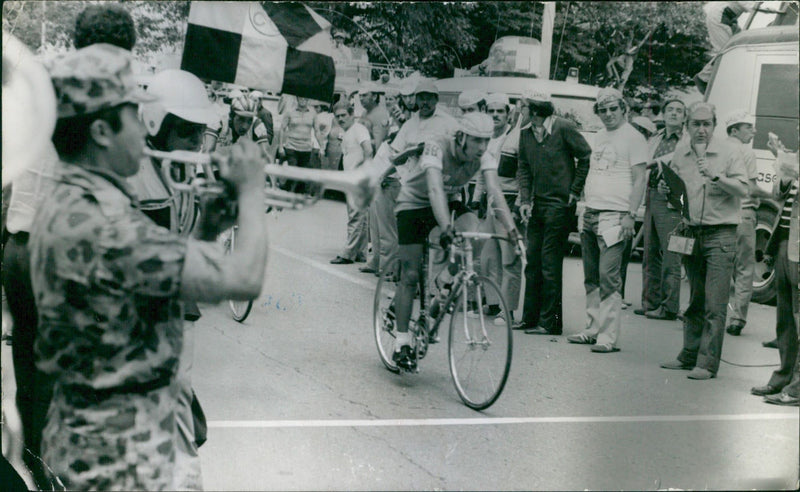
(480, 344)
(239, 309)
(383, 322)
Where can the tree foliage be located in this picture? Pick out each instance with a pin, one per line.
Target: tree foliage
(428, 36)
(435, 37)
(160, 26)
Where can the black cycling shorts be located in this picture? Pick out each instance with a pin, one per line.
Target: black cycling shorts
(414, 226)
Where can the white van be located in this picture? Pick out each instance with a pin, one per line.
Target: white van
(571, 100)
(758, 71)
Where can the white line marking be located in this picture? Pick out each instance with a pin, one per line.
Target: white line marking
(325, 268)
(232, 424)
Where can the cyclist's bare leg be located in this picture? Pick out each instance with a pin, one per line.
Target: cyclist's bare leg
(411, 256)
(411, 273)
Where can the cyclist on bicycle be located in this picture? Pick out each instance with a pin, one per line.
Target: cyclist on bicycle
(245, 122)
(428, 195)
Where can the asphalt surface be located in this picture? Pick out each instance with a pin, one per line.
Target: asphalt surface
(297, 398)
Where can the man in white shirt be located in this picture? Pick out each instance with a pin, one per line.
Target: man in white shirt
(614, 190)
(356, 148)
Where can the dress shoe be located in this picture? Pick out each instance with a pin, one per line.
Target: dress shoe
(367, 269)
(360, 259)
(783, 398)
(640, 311)
(765, 390)
(521, 325)
(700, 374)
(734, 329)
(537, 330)
(660, 313)
(341, 261)
(676, 364)
(771, 344)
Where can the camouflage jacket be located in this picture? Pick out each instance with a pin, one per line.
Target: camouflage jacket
(106, 281)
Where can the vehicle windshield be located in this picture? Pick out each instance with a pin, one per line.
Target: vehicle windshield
(578, 110)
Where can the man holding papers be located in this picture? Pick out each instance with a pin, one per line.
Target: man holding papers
(661, 269)
(614, 190)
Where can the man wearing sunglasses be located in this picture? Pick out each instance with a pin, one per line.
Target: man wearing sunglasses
(614, 190)
(553, 163)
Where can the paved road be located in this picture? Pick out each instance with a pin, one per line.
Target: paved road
(297, 398)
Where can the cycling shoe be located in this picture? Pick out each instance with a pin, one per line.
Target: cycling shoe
(405, 358)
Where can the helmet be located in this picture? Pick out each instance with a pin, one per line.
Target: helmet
(180, 93)
(244, 106)
(476, 124)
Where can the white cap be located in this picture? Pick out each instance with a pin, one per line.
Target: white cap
(470, 97)
(407, 87)
(497, 98)
(368, 87)
(476, 124)
(532, 95)
(426, 85)
(739, 116)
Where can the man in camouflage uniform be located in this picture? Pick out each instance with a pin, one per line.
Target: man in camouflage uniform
(109, 284)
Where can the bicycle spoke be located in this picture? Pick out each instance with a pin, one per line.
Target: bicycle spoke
(479, 350)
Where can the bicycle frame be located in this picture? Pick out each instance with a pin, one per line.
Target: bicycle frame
(464, 253)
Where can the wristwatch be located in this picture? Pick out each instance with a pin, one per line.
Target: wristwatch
(715, 179)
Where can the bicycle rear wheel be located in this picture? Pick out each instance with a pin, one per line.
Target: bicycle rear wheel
(239, 309)
(383, 322)
(480, 345)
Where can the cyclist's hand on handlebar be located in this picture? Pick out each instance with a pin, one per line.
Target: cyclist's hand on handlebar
(447, 237)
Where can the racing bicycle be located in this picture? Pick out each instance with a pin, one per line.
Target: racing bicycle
(479, 342)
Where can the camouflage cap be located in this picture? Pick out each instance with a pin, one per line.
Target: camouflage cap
(94, 78)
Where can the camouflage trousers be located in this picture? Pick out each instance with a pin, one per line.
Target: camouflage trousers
(124, 442)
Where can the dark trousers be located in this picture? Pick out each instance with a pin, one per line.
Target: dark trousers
(547, 243)
(785, 329)
(34, 388)
(297, 159)
(661, 269)
(710, 269)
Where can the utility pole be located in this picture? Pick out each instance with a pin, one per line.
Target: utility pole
(548, 21)
(44, 26)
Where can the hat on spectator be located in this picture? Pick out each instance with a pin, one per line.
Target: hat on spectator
(369, 87)
(608, 95)
(645, 123)
(407, 87)
(497, 98)
(426, 85)
(94, 78)
(739, 116)
(536, 96)
(470, 97)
